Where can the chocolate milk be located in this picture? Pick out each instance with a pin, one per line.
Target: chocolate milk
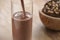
(22, 27)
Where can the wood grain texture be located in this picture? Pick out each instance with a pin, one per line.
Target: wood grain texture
(39, 32)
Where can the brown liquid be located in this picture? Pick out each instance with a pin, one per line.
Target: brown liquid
(22, 27)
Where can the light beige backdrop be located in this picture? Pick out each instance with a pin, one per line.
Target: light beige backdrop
(38, 32)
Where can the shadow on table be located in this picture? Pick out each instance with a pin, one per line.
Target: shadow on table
(54, 35)
(43, 33)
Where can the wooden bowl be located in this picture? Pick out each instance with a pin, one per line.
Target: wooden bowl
(49, 21)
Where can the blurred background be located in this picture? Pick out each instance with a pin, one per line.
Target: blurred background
(5, 20)
(38, 32)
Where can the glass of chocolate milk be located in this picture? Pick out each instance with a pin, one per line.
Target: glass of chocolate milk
(22, 19)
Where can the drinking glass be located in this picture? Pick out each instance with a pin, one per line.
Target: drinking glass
(22, 24)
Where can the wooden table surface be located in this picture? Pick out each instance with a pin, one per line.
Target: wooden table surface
(38, 33)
